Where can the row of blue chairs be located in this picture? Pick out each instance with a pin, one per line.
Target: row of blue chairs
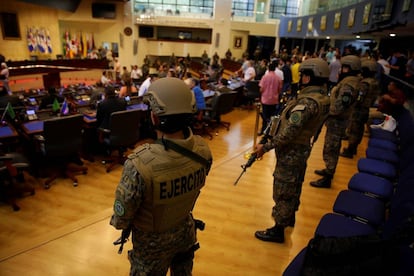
(379, 201)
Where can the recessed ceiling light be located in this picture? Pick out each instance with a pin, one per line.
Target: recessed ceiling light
(358, 36)
(328, 37)
(392, 35)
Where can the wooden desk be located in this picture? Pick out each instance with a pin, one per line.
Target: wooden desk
(8, 132)
(32, 127)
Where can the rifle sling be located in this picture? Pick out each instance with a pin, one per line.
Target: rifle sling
(168, 144)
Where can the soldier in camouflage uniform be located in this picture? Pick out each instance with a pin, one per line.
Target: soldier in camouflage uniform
(299, 124)
(159, 186)
(343, 97)
(369, 90)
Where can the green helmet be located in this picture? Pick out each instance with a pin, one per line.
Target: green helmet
(169, 96)
(370, 64)
(352, 61)
(318, 66)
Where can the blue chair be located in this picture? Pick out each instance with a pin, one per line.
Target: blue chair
(377, 167)
(338, 225)
(382, 155)
(360, 207)
(381, 143)
(371, 184)
(295, 266)
(379, 133)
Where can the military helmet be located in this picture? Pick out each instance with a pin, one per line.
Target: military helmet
(352, 61)
(169, 96)
(370, 64)
(318, 66)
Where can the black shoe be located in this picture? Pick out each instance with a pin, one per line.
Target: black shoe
(324, 182)
(274, 234)
(347, 154)
(323, 172)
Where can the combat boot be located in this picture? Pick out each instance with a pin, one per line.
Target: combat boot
(323, 172)
(324, 182)
(348, 153)
(274, 234)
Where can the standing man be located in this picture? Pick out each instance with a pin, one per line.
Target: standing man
(369, 90)
(297, 130)
(4, 77)
(343, 97)
(143, 89)
(270, 88)
(334, 70)
(160, 185)
(294, 68)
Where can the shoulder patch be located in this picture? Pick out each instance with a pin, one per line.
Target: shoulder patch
(119, 208)
(295, 118)
(299, 107)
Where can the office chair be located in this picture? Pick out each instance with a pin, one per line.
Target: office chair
(12, 166)
(222, 104)
(60, 145)
(200, 126)
(252, 93)
(123, 133)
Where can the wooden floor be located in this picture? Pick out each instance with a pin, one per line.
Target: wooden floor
(65, 230)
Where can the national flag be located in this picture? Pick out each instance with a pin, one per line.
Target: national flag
(10, 111)
(31, 41)
(81, 45)
(55, 105)
(65, 108)
(48, 42)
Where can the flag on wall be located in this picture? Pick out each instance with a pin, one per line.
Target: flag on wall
(48, 42)
(31, 41)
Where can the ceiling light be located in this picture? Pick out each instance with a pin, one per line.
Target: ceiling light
(358, 36)
(392, 34)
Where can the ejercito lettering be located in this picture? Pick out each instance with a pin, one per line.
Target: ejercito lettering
(181, 185)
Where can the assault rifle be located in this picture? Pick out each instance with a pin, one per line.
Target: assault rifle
(269, 132)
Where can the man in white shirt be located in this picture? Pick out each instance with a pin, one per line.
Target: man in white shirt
(143, 89)
(250, 73)
(104, 79)
(136, 74)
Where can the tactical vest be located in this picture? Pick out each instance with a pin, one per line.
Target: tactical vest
(341, 102)
(173, 182)
(313, 124)
(368, 92)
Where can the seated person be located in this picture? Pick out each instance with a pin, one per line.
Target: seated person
(128, 89)
(110, 104)
(96, 94)
(72, 104)
(198, 93)
(48, 99)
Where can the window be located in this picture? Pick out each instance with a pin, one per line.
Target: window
(283, 7)
(192, 6)
(243, 7)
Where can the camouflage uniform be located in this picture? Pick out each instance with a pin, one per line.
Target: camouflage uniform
(343, 97)
(368, 92)
(155, 196)
(300, 121)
